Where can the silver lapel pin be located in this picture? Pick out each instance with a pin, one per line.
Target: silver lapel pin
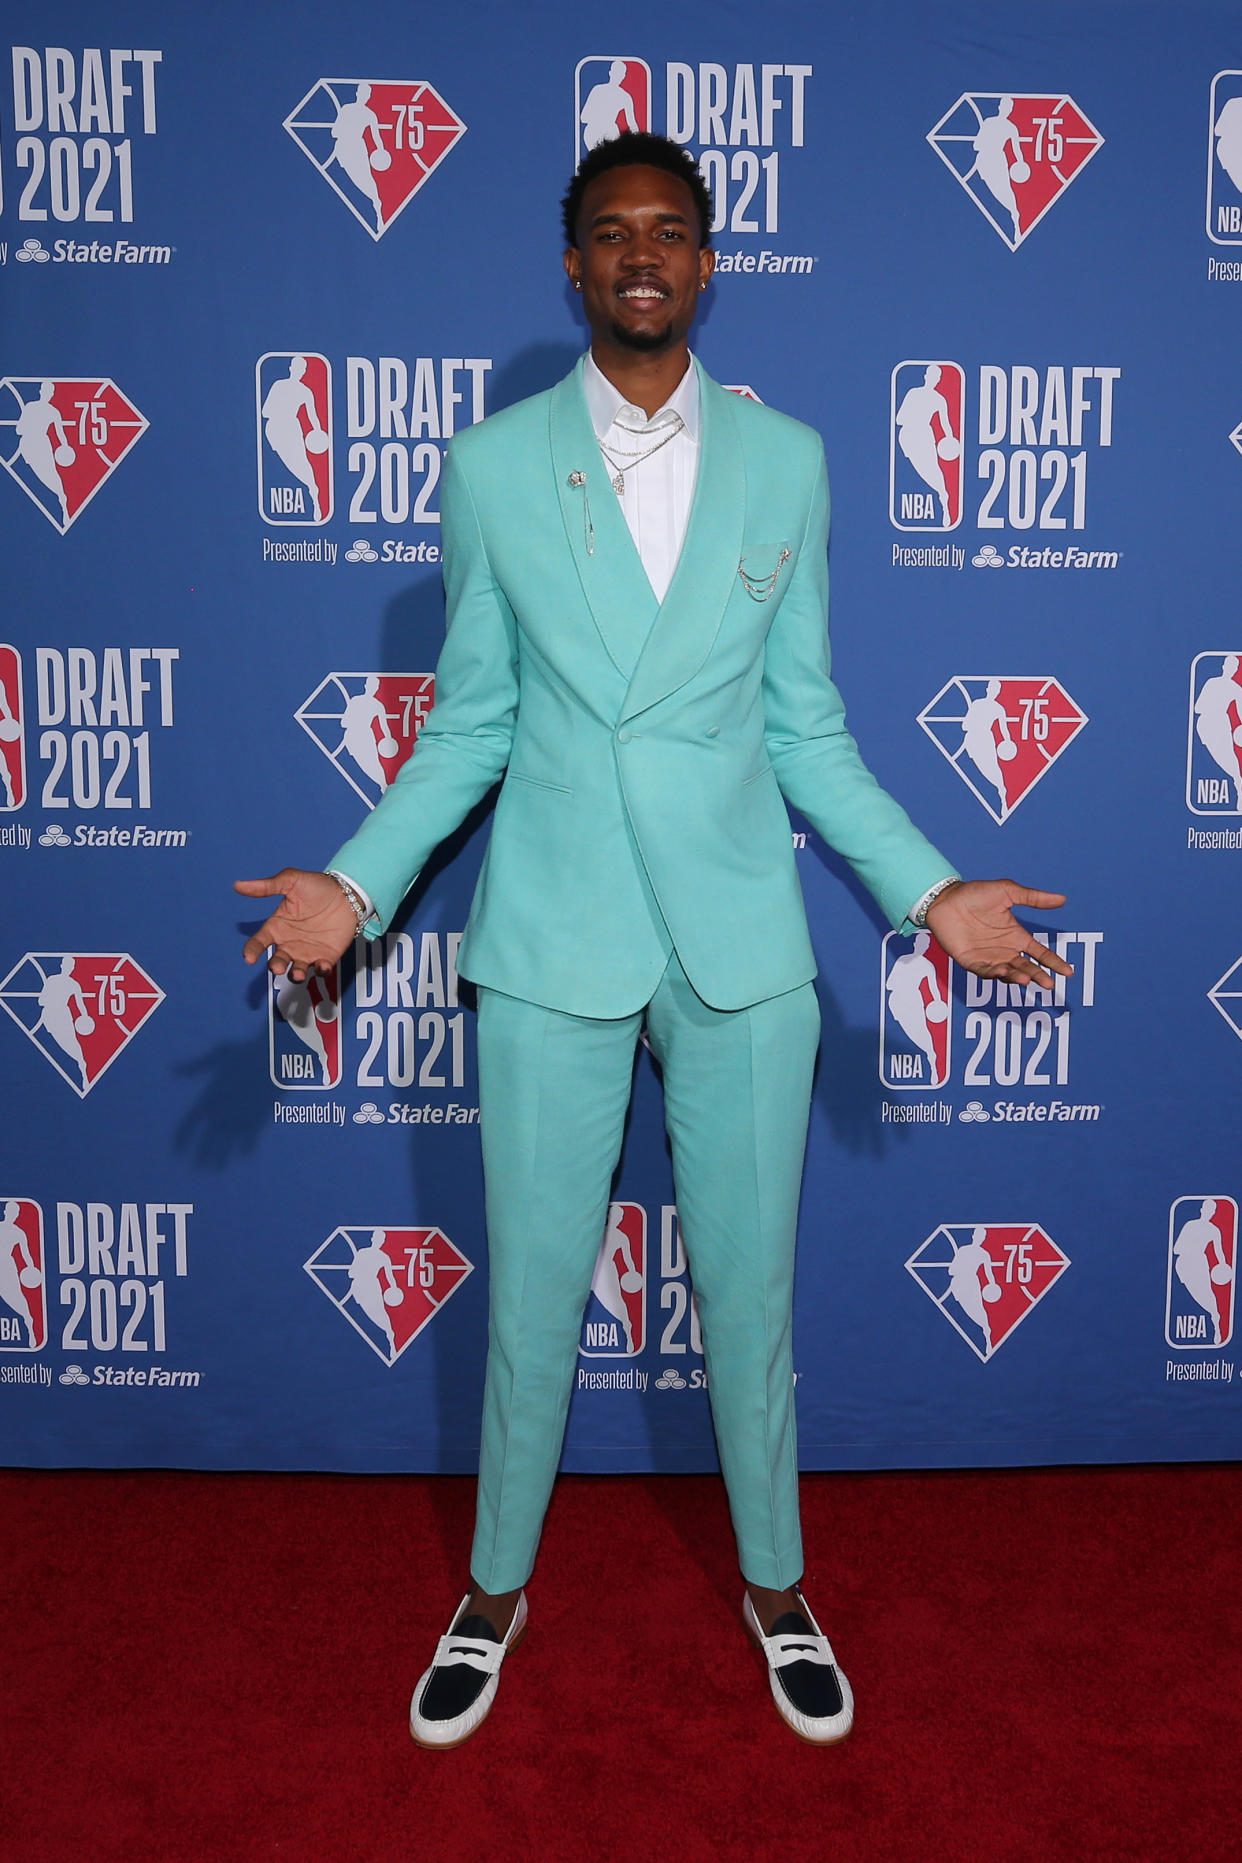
(578, 480)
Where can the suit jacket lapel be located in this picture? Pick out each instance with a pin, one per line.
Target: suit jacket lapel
(681, 636)
(614, 582)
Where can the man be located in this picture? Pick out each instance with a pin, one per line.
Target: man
(636, 588)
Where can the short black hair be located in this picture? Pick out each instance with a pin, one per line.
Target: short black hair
(631, 149)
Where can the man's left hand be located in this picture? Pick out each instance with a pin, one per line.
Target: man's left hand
(973, 922)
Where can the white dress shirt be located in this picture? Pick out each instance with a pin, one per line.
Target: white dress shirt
(659, 489)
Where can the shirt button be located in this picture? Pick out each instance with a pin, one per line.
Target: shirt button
(712, 731)
(623, 737)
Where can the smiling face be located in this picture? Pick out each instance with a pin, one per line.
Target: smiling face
(638, 260)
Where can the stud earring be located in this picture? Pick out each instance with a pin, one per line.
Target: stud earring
(577, 286)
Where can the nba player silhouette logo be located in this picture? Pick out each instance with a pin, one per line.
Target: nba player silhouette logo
(615, 1325)
(1002, 733)
(986, 1277)
(1203, 1260)
(12, 731)
(925, 445)
(304, 1031)
(1224, 195)
(80, 1009)
(610, 95)
(375, 141)
(62, 437)
(1214, 735)
(916, 1003)
(366, 724)
(293, 411)
(23, 1286)
(388, 1283)
(1014, 154)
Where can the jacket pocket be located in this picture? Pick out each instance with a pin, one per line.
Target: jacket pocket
(538, 782)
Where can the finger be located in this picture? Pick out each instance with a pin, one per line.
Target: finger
(260, 889)
(1022, 971)
(1040, 954)
(254, 947)
(1033, 896)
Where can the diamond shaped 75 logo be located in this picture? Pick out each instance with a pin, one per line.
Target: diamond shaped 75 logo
(80, 1009)
(366, 724)
(67, 434)
(1002, 732)
(388, 1283)
(986, 1277)
(375, 141)
(1014, 154)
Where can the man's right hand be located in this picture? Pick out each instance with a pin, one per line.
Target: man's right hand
(313, 927)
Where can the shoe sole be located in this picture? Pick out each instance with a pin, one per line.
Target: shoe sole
(447, 1746)
(834, 1740)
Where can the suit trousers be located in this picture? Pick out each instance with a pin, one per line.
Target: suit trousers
(553, 1092)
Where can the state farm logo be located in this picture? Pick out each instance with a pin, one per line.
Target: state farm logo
(366, 724)
(1224, 184)
(1007, 1034)
(304, 1031)
(615, 1323)
(374, 141)
(1214, 735)
(293, 405)
(23, 1283)
(69, 435)
(1002, 733)
(1014, 154)
(388, 1283)
(80, 1009)
(1202, 1275)
(12, 733)
(75, 117)
(984, 1278)
(925, 447)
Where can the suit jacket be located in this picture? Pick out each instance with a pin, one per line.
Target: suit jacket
(646, 748)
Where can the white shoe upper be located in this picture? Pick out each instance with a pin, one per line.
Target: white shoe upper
(478, 1653)
(792, 1647)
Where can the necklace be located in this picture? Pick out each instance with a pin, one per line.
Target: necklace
(635, 458)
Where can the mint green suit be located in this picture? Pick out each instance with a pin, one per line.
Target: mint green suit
(640, 861)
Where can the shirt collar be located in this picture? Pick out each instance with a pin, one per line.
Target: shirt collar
(605, 402)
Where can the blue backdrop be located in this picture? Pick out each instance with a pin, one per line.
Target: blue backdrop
(258, 264)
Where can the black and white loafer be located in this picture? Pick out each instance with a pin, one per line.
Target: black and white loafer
(810, 1691)
(455, 1695)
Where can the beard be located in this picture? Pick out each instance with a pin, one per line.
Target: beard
(647, 341)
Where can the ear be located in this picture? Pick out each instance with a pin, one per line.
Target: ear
(707, 264)
(573, 267)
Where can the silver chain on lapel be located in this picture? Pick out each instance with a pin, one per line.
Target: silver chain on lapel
(578, 480)
(762, 588)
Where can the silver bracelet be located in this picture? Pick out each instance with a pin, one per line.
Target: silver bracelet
(919, 915)
(361, 910)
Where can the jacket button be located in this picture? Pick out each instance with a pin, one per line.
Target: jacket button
(623, 737)
(712, 731)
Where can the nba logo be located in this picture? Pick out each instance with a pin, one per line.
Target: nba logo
(925, 445)
(1203, 1256)
(1002, 732)
(69, 435)
(916, 1023)
(12, 738)
(80, 1008)
(366, 724)
(1214, 735)
(615, 1325)
(388, 1283)
(23, 1291)
(610, 95)
(1015, 155)
(304, 1032)
(293, 414)
(984, 1278)
(1224, 186)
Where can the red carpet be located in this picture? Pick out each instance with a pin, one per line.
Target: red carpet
(209, 1668)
